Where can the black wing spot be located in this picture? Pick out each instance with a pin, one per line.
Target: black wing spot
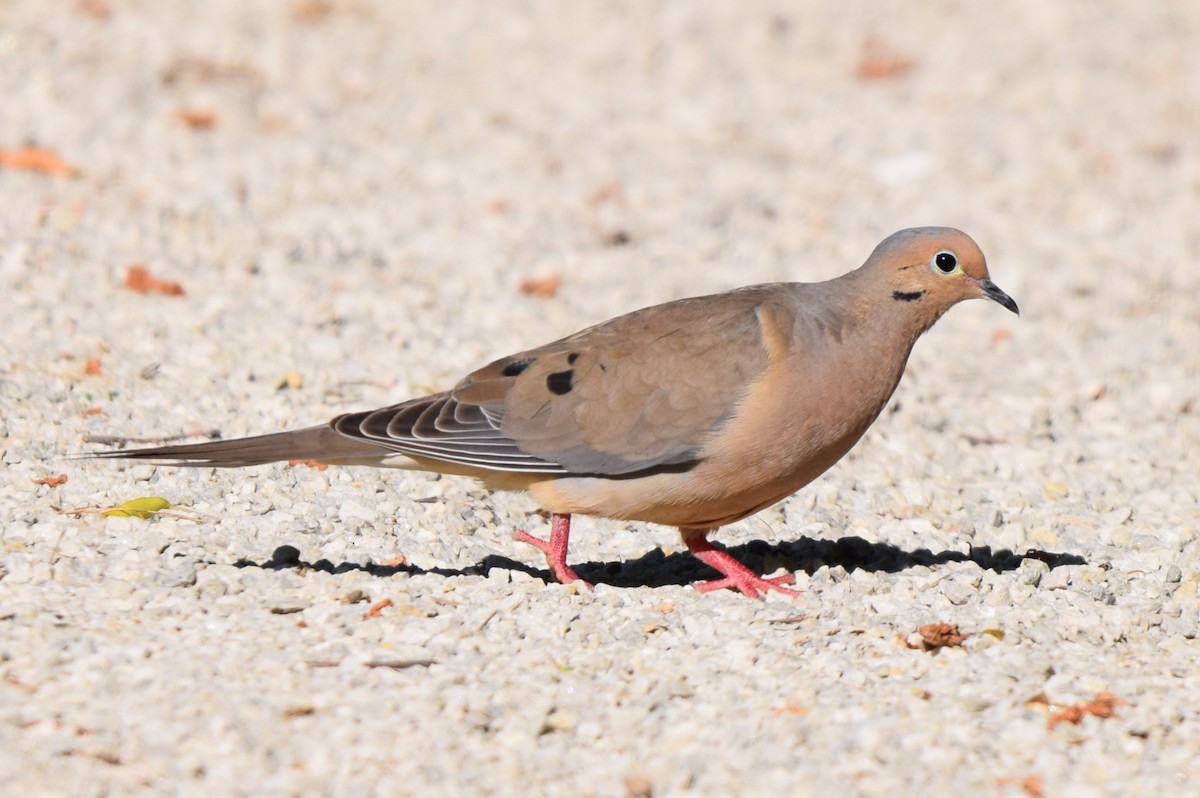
(571, 358)
(560, 382)
(516, 367)
(907, 296)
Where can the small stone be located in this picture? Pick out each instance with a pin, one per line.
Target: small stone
(289, 606)
(957, 592)
(352, 509)
(1174, 574)
(1117, 517)
(1056, 490)
(559, 720)
(178, 574)
(214, 589)
(1032, 572)
(1057, 579)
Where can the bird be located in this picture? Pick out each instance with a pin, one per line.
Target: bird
(694, 413)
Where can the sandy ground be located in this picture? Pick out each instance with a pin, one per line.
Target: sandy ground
(350, 195)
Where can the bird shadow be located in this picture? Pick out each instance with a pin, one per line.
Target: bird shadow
(656, 568)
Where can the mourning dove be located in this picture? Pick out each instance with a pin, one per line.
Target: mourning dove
(694, 413)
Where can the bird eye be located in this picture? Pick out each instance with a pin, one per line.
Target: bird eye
(945, 262)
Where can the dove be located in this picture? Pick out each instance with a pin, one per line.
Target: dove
(695, 413)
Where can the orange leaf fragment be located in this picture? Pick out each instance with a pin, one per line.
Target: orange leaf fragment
(139, 279)
(31, 159)
(377, 609)
(311, 12)
(540, 287)
(197, 118)
(308, 464)
(393, 562)
(51, 482)
(878, 62)
(92, 367)
(15, 682)
(96, 9)
(935, 636)
(1104, 705)
(1031, 784)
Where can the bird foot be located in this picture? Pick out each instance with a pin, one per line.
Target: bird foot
(736, 575)
(750, 585)
(555, 548)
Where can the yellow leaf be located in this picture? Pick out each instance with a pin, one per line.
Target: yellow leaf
(145, 507)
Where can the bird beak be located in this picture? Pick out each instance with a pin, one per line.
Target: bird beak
(993, 292)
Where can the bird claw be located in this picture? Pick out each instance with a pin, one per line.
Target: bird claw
(750, 585)
(735, 574)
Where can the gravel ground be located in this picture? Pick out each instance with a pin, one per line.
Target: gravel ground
(351, 194)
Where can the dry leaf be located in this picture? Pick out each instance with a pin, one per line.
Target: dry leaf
(206, 70)
(197, 118)
(878, 61)
(540, 287)
(308, 464)
(292, 380)
(51, 482)
(31, 159)
(139, 279)
(377, 609)
(1031, 784)
(936, 636)
(311, 12)
(144, 507)
(1104, 705)
(608, 192)
(394, 562)
(96, 9)
(399, 664)
(92, 367)
(20, 685)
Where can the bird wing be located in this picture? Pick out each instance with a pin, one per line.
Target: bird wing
(641, 391)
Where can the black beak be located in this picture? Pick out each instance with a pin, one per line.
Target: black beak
(993, 292)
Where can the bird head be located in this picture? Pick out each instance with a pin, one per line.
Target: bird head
(934, 268)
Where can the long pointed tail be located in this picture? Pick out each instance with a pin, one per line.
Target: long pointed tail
(319, 443)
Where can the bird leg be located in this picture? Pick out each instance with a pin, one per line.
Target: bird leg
(555, 548)
(736, 575)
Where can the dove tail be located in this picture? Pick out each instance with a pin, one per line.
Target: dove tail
(320, 443)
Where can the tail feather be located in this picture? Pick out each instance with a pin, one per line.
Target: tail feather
(320, 443)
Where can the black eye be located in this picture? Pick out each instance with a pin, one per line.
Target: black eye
(945, 262)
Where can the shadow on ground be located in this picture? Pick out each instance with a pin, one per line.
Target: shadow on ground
(657, 569)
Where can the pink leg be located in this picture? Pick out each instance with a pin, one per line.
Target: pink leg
(735, 574)
(555, 549)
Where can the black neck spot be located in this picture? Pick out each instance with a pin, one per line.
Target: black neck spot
(907, 296)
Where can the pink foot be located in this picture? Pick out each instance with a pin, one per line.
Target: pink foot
(555, 548)
(736, 575)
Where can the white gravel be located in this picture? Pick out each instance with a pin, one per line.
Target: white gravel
(378, 180)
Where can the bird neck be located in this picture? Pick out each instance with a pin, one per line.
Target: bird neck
(883, 315)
